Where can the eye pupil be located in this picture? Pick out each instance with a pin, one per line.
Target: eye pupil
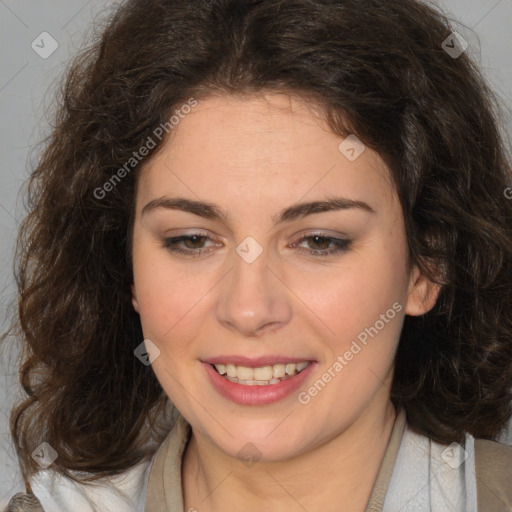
(193, 242)
(317, 240)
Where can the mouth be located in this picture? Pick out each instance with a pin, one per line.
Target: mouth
(259, 381)
(260, 376)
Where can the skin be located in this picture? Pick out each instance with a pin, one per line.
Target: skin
(253, 156)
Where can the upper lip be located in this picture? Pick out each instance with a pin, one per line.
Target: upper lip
(255, 362)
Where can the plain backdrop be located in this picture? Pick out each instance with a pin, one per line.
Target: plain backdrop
(27, 81)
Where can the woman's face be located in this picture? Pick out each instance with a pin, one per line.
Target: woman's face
(297, 255)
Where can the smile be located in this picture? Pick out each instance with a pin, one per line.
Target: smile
(249, 384)
(260, 376)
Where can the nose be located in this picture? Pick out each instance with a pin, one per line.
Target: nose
(253, 300)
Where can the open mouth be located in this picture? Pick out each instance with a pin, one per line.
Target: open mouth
(260, 376)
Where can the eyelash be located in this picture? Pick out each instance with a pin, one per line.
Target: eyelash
(341, 245)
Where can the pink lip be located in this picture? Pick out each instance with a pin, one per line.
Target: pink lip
(255, 395)
(253, 362)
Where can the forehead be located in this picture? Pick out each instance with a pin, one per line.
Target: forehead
(271, 146)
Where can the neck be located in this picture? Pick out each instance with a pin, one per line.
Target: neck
(348, 463)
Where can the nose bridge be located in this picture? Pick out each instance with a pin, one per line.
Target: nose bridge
(252, 299)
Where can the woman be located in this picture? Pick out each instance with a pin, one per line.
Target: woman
(288, 220)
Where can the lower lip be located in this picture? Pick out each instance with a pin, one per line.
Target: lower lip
(256, 395)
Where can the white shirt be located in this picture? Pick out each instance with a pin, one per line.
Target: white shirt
(121, 493)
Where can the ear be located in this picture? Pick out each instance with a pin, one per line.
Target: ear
(134, 299)
(422, 294)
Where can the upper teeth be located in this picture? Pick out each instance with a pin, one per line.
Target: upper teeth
(263, 373)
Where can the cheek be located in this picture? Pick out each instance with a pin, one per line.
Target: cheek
(352, 297)
(169, 314)
(167, 297)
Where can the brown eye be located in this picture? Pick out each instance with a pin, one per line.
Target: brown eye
(318, 245)
(189, 245)
(194, 242)
(320, 242)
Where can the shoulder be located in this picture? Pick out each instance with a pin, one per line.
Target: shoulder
(125, 492)
(493, 465)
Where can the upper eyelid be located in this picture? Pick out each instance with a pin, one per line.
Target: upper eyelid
(321, 234)
(327, 233)
(301, 238)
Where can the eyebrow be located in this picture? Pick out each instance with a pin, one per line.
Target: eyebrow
(300, 210)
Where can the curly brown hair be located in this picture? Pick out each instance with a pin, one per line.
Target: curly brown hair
(377, 69)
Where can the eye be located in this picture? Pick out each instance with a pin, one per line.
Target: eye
(193, 243)
(319, 245)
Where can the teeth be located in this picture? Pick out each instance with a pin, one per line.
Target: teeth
(290, 369)
(262, 375)
(244, 373)
(231, 370)
(253, 382)
(300, 366)
(278, 371)
(221, 368)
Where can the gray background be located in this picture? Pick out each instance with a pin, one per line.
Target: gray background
(26, 84)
